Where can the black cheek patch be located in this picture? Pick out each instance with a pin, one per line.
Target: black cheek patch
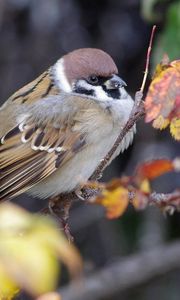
(83, 91)
(114, 93)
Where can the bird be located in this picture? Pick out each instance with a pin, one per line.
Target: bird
(55, 131)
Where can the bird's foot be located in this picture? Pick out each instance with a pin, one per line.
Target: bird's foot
(79, 194)
(59, 207)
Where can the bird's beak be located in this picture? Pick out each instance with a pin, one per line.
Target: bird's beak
(114, 83)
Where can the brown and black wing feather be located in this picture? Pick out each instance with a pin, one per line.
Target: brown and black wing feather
(30, 153)
(39, 88)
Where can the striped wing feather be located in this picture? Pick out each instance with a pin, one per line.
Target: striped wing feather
(29, 153)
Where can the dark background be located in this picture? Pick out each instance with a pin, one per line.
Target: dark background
(33, 35)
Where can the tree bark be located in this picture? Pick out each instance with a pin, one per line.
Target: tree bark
(126, 273)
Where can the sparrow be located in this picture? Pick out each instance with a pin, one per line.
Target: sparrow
(56, 130)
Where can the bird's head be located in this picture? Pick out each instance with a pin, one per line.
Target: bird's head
(89, 72)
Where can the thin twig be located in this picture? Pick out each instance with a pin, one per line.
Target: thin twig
(164, 199)
(148, 59)
(168, 202)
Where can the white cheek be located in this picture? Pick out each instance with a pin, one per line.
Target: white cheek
(99, 93)
(83, 84)
(60, 78)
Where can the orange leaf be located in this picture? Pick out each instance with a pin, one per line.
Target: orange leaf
(115, 202)
(175, 128)
(116, 182)
(154, 168)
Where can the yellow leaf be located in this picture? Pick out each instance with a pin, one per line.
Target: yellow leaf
(175, 128)
(115, 202)
(160, 122)
(8, 288)
(145, 186)
(30, 247)
(37, 263)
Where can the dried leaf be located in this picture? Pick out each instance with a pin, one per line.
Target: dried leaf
(163, 97)
(115, 201)
(175, 128)
(153, 169)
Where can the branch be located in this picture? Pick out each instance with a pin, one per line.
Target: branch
(168, 202)
(126, 274)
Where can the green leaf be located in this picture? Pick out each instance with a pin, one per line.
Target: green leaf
(169, 40)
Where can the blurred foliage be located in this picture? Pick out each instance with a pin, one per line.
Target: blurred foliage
(116, 194)
(36, 33)
(162, 103)
(168, 40)
(29, 249)
(147, 10)
(50, 296)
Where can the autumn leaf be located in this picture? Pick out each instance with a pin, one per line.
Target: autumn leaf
(161, 122)
(136, 189)
(8, 288)
(153, 169)
(175, 128)
(115, 201)
(29, 251)
(162, 103)
(163, 92)
(145, 186)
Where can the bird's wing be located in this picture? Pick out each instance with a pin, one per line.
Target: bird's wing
(37, 89)
(31, 151)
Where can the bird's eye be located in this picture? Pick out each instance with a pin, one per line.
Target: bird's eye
(93, 79)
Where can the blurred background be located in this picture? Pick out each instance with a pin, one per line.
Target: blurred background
(33, 35)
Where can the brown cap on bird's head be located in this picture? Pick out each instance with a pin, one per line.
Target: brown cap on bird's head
(84, 62)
